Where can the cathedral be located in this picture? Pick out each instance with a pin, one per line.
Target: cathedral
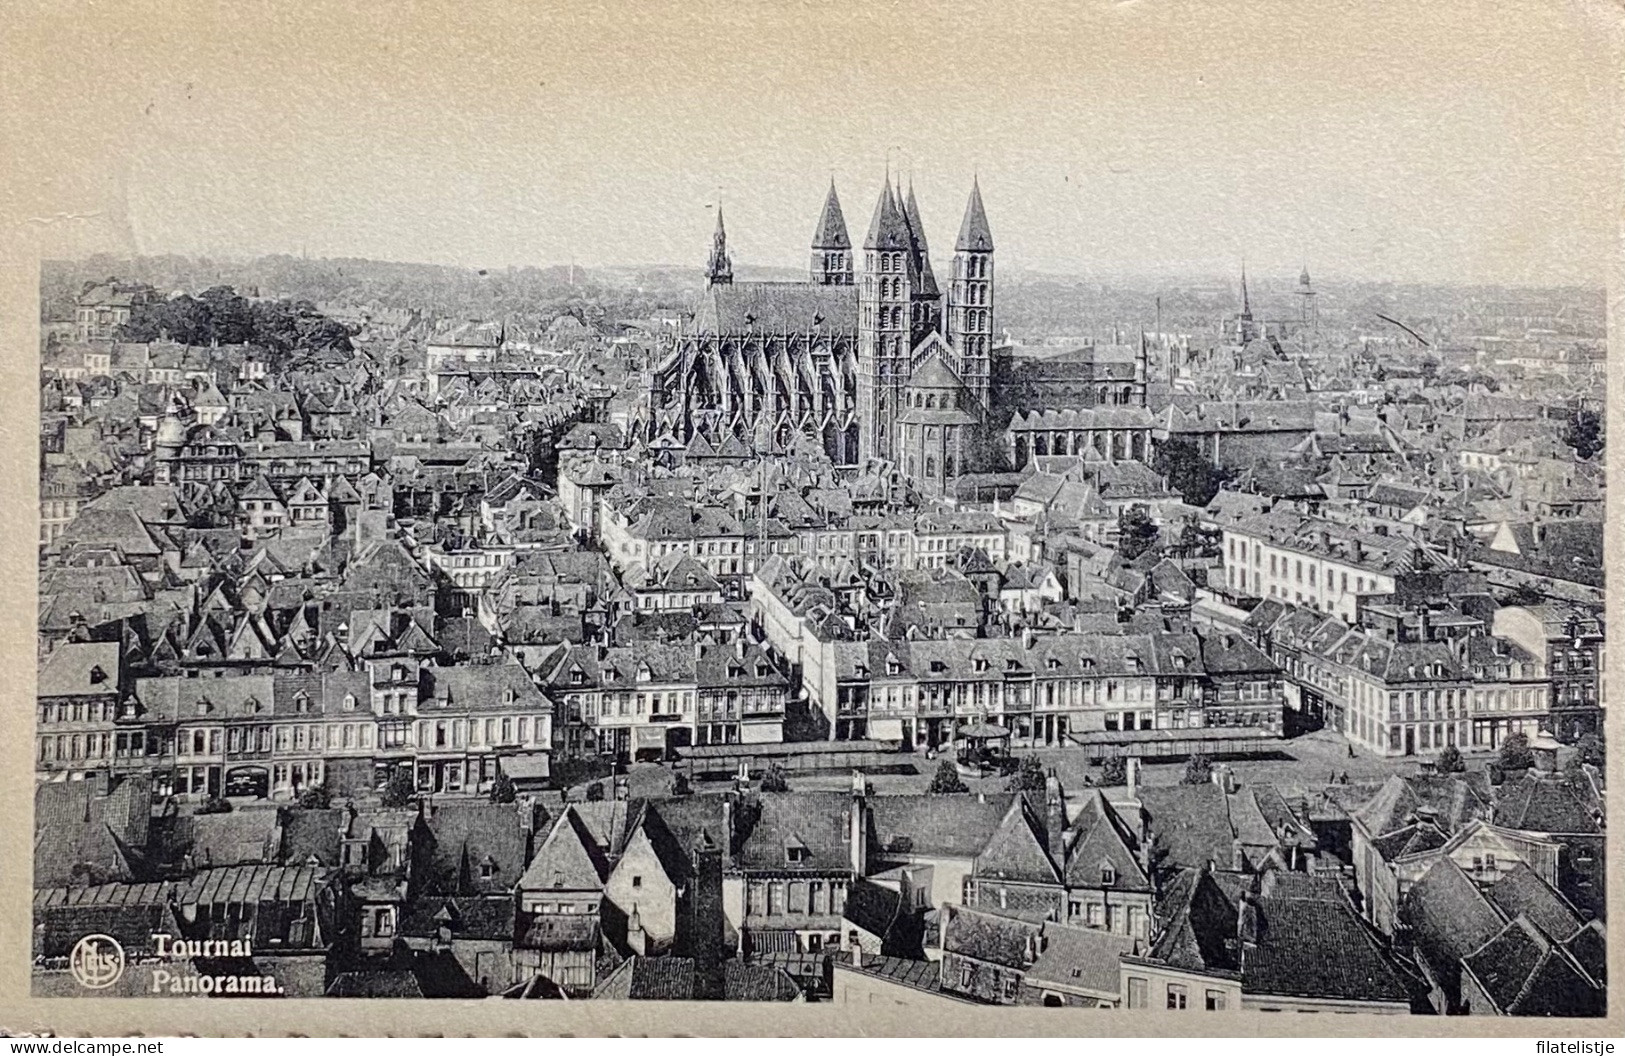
(869, 358)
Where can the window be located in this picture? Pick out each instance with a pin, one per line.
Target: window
(1108, 875)
(637, 882)
(1176, 996)
(1136, 992)
(1215, 1000)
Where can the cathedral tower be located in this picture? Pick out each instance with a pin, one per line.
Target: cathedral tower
(885, 300)
(831, 248)
(719, 270)
(970, 298)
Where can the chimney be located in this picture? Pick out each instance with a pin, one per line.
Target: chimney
(858, 834)
(1238, 857)
(1055, 818)
(637, 940)
(1131, 770)
(1423, 624)
(1246, 922)
(1027, 638)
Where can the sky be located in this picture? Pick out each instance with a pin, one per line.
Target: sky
(1453, 142)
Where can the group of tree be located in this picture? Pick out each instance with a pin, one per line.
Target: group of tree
(1189, 472)
(946, 779)
(221, 315)
(1198, 770)
(1030, 776)
(1515, 753)
(1583, 431)
(773, 779)
(1135, 533)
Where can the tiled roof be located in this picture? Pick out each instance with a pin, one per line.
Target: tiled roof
(998, 938)
(1520, 890)
(1321, 950)
(1523, 973)
(778, 308)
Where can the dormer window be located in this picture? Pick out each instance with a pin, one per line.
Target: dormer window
(203, 706)
(938, 667)
(508, 695)
(577, 677)
(349, 702)
(97, 675)
(301, 703)
(1052, 664)
(981, 663)
(1108, 874)
(796, 853)
(1133, 662)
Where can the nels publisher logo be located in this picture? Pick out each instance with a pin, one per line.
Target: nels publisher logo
(97, 961)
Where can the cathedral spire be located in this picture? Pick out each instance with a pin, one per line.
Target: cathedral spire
(831, 246)
(831, 233)
(888, 229)
(719, 269)
(1246, 306)
(974, 234)
(921, 253)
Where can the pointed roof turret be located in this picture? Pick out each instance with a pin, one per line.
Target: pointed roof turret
(888, 229)
(831, 233)
(1246, 306)
(974, 234)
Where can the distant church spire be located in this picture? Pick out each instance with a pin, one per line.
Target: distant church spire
(719, 270)
(1246, 308)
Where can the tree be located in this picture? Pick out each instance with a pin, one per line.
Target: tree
(946, 779)
(1188, 471)
(773, 779)
(1198, 770)
(595, 792)
(1114, 771)
(215, 805)
(1515, 753)
(1029, 777)
(503, 790)
(1450, 761)
(1583, 432)
(315, 797)
(1135, 533)
(400, 789)
(1589, 749)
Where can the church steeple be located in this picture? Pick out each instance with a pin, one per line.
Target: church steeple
(921, 264)
(887, 228)
(831, 248)
(719, 270)
(974, 234)
(970, 298)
